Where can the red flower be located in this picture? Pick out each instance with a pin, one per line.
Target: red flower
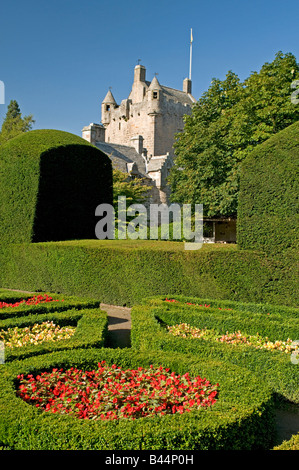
(111, 393)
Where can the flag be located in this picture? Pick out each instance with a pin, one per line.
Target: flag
(191, 36)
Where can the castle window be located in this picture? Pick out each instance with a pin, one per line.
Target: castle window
(107, 107)
(119, 126)
(155, 95)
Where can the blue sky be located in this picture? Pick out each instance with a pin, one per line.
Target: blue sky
(58, 58)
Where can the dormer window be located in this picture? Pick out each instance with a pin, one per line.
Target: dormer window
(155, 95)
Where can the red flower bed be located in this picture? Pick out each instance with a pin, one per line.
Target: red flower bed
(36, 299)
(111, 393)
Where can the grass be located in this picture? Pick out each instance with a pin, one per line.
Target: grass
(164, 245)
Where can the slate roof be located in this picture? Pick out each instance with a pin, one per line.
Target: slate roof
(156, 163)
(178, 95)
(172, 93)
(123, 156)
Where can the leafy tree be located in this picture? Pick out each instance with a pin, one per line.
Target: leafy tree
(228, 121)
(14, 124)
(135, 189)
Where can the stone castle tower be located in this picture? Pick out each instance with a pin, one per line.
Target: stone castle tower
(138, 134)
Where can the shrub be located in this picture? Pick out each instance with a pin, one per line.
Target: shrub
(91, 330)
(291, 444)
(241, 418)
(55, 302)
(90, 321)
(268, 216)
(124, 272)
(7, 295)
(50, 185)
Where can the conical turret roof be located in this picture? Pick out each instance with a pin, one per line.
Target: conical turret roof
(155, 85)
(109, 98)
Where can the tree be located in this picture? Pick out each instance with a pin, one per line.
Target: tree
(14, 124)
(135, 189)
(227, 122)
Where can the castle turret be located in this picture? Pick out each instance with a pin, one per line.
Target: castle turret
(154, 96)
(107, 104)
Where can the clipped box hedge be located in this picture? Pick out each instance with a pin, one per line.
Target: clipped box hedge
(91, 331)
(291, 444)
(241, 418)
(60, 303)
(123, 272)
(273, 367)
(91, 322)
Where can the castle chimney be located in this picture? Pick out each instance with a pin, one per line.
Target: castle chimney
(187, 86)
(94, 133)
(137, 143)
(139, 73)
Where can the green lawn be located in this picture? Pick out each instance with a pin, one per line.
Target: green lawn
(164, 245)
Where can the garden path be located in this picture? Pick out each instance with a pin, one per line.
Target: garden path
(119, 325)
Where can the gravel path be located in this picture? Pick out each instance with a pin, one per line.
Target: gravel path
(119, 325)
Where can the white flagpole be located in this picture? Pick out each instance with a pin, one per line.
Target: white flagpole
(191, 41)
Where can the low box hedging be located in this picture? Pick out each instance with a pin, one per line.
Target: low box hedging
(91, 322)
(241, 418)
(91, 330)
(7, 295)
(59, 303)
(291, 444)
(275, 322)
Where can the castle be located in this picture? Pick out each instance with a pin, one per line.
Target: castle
(138, 134)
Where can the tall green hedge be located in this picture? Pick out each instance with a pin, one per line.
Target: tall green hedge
(125, 272)
(268, 208)
(50, 185)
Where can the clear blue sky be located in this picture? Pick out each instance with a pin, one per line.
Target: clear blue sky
(58, 58)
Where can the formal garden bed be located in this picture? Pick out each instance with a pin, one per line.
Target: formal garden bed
(166, 392)
(260, 338)
(38, 324)
(17, 304)
(240, 415)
